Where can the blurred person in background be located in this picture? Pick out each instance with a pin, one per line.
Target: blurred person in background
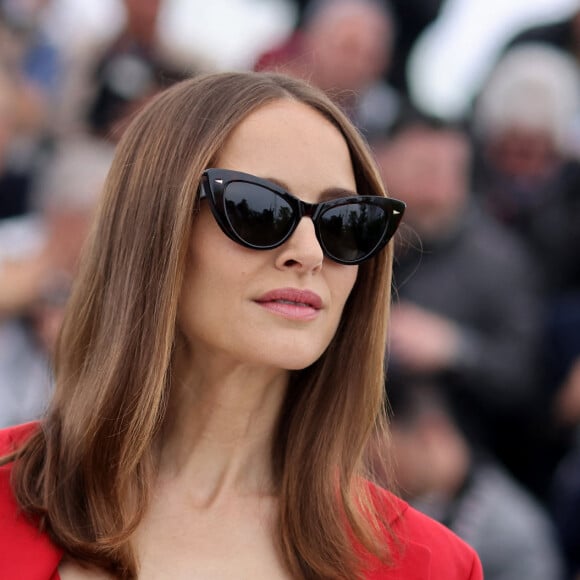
(528, 176)
(441, 475)
(527, 124)
(38, 259)
(526, 121)
(344, 47)
(466, 312)
(412, 18)
(130, 69)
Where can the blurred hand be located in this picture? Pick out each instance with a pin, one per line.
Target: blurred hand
(420, 340)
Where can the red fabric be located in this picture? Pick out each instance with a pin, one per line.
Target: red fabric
(25, 552)
(426, 550)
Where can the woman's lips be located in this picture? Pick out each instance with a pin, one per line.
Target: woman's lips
(292, 303)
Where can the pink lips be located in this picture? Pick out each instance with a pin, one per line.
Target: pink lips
(292, 303)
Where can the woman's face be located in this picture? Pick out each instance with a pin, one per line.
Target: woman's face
(244, 305)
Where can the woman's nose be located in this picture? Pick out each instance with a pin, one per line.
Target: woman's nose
(302, 250)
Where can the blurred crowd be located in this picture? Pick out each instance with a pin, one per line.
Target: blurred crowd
(483, 364)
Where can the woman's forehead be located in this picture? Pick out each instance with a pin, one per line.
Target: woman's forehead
(292, 142)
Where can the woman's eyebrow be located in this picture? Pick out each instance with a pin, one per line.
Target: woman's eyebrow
(335, 193)
(326, 194)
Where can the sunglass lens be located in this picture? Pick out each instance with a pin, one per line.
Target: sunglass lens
(353, 231)
(257, 215)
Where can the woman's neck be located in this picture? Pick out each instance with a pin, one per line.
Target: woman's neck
(219, 430)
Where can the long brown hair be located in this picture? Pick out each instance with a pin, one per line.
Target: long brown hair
(87, 472)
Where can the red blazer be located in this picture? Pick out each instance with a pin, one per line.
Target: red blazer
(428, 551)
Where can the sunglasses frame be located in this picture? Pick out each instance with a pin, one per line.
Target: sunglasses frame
(214, 182)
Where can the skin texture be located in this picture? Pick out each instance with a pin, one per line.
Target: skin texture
(213, 511)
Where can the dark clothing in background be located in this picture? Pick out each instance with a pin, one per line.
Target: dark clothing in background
(481, 278)
(15, 190)
(412, 17)
(566, 508)
(545, 213)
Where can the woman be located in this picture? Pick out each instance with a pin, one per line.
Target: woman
(219, 371)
